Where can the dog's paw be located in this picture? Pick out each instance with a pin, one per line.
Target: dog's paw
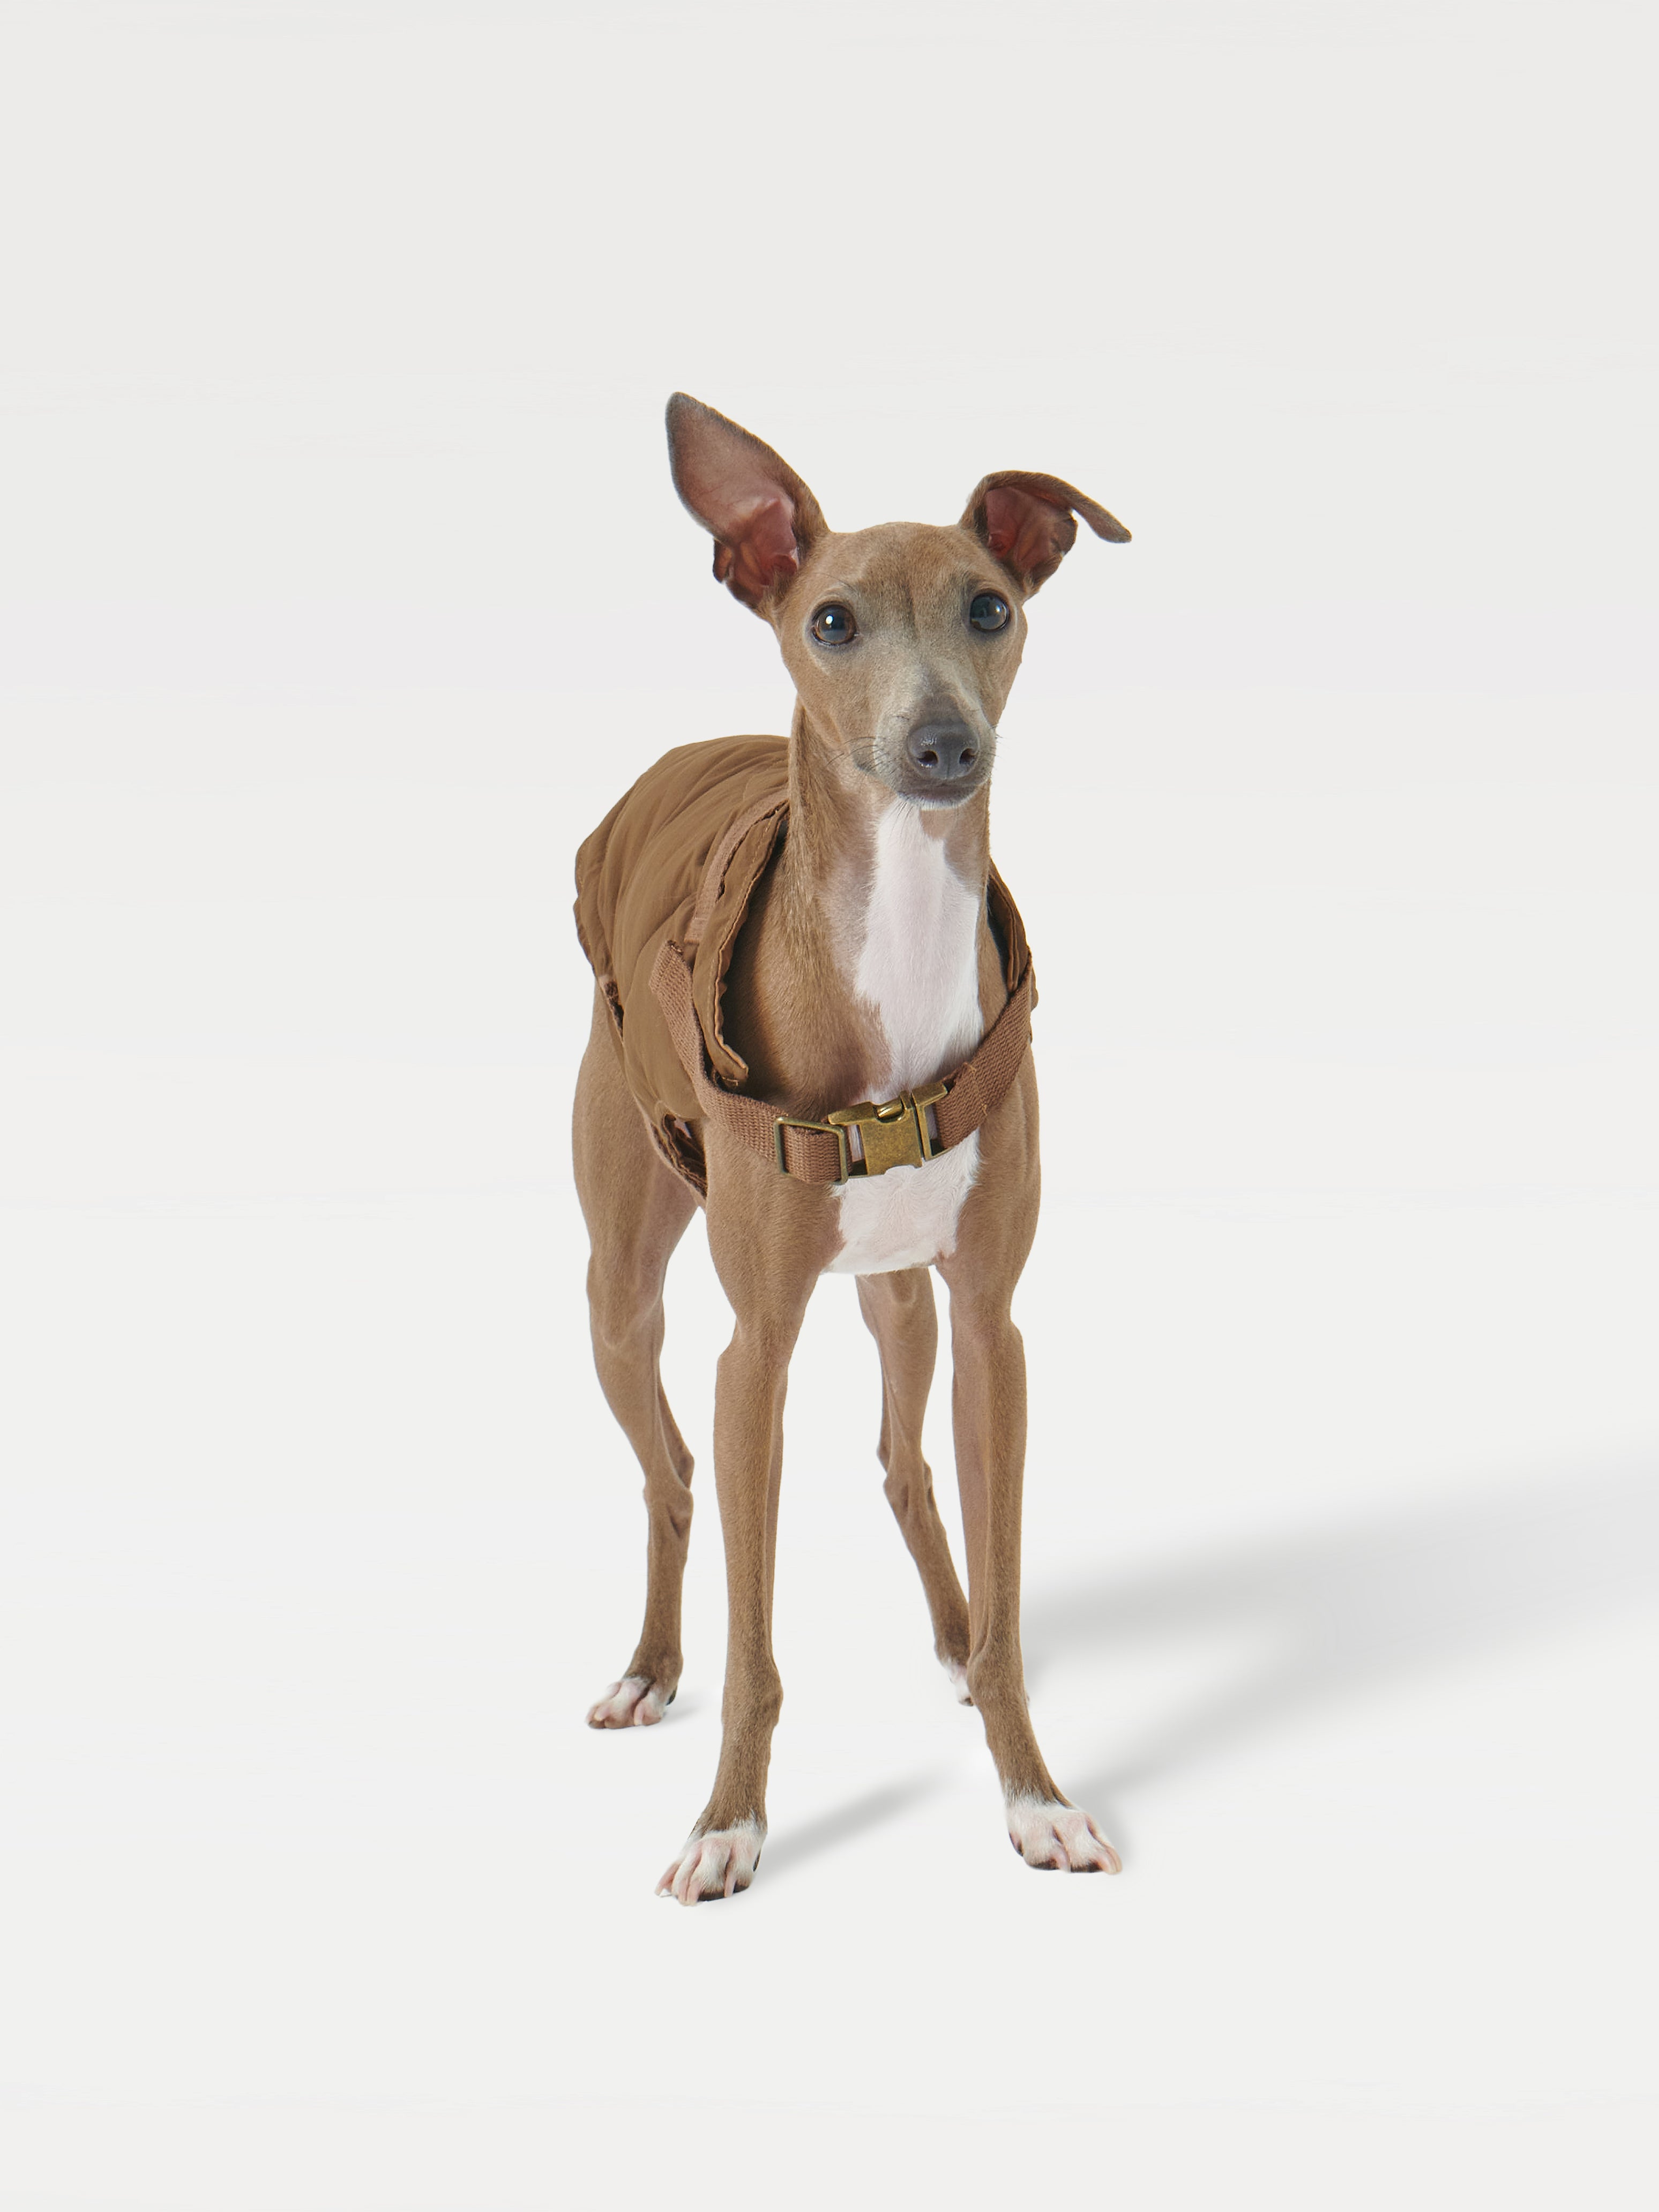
(958, 1675)
(631, 1703)
(1059, 1838)
(717, 1864)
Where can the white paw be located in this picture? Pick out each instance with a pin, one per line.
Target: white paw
(718, 1864)
(958, 1675)
(631, 1703)
(1049, 1834)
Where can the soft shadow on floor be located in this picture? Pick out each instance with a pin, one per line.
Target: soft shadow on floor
(839, 1826)
(1350, 1605)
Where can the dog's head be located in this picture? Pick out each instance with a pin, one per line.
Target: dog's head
(902, 640)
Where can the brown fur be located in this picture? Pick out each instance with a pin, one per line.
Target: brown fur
(812, 1044)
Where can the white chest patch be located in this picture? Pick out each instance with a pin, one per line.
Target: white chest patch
(906, 1218)
(919, 968)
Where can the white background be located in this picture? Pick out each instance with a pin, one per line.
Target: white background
(342, 588)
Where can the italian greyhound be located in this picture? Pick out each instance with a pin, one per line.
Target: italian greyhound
(867, 968)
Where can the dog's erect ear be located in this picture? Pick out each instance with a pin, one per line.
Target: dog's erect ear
(763, 519)
(1026, 521)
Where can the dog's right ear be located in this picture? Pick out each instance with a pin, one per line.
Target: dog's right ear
(762, 517)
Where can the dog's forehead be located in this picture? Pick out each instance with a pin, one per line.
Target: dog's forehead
(910, 563)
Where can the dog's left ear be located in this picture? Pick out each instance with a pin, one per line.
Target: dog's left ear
(1026, 521)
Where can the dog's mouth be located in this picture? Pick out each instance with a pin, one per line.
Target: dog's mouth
(925, 790)
(940, 792)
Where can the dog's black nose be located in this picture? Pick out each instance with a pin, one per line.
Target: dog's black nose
(943, 750)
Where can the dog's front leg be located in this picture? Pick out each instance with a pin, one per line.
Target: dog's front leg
(723, 1849)
(988, 1415)
(988, 1405)
(769, 1278)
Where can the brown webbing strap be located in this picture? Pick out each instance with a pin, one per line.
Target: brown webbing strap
(808, 1153)
(973, 1092)
(979, 1086)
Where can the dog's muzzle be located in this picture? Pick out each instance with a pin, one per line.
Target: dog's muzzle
(941, 761)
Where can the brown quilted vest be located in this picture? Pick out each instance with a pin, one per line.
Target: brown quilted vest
(643, 875)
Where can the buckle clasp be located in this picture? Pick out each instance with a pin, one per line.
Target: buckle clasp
(893, 1134)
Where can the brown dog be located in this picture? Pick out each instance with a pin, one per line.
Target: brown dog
(778, 932)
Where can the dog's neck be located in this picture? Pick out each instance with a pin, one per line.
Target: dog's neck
(890, 897)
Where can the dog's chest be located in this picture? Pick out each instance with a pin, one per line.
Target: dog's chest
(918, 968)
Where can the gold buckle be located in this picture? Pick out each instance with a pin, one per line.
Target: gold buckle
(782, 1122)
(893, 1134)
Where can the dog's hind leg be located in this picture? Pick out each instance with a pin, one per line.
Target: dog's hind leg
(636, 1211)
(898, 1309)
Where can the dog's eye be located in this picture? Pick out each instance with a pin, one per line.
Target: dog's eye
(988, 610)
(833, 625)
